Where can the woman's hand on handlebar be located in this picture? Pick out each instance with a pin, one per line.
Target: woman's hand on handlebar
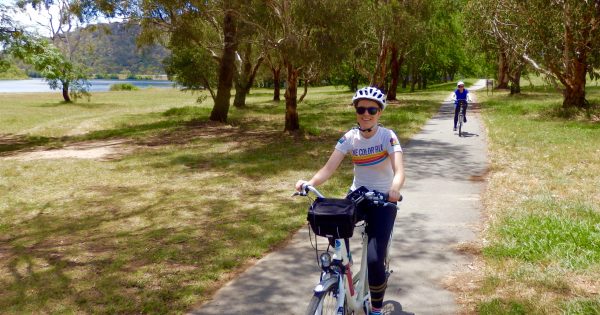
(300, 184)
(394, 196)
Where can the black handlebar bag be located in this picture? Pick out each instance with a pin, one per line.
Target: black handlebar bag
(331, 217)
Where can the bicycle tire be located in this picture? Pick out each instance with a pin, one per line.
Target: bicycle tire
(460, 124)
(327, 299)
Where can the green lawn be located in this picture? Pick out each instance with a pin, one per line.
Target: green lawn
(159, 227)
(542, 203)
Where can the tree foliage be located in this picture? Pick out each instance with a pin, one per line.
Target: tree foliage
(560, 39)
(55, 61)
(309, 37)
(52, 65)
(8, 29)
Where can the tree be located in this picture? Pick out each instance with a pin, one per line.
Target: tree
(52, 65)
(248, 59)
(307, 35)
(560, 39)
(196, 28)
(55, 61)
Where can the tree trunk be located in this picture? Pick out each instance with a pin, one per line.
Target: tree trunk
(574, 92)
(413, 78)
(405, 81)
(239, 101)
(292, 122)
(354, 83)
(574, 97)
(305, 91)
(395, 64)
(378, 79)
(246, 76)
(515, 79)
(502, 71)
(226, 69)
(65, 92)
(276, 83)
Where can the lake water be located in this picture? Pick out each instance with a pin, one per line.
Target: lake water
(39, 85)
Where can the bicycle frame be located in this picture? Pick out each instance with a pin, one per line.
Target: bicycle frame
(352, 292)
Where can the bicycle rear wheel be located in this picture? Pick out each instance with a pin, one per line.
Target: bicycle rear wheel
(325, 302)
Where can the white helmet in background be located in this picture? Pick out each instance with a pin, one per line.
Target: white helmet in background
(460, 83)
(370, 93)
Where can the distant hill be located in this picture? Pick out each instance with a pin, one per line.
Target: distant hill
(112, 49)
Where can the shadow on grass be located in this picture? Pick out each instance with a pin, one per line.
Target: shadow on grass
(84, 105)
(10, 142)
(19, 143)
(98, 260)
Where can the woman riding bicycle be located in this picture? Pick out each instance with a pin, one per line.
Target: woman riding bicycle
(378, 165)
(460, 94)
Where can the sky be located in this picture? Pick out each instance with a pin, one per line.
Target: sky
(30, 19)
(36, 21)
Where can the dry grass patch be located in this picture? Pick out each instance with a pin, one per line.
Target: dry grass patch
(541, 236)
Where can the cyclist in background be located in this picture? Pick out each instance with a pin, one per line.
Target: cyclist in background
(378, 165)
(460, 94)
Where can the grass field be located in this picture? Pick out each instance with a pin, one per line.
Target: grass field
(541, 240)
(158, 227)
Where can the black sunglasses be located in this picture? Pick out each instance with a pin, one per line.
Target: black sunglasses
(371, 110)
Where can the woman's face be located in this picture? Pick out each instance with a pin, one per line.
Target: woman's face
(370, 114)
(461, 87)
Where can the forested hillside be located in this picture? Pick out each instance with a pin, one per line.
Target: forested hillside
(112, 49)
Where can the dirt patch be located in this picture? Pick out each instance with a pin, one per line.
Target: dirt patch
(116, 148)
(95, 150)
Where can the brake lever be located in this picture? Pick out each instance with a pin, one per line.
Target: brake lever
(298, 194)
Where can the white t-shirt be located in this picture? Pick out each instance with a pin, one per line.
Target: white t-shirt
(372, 165)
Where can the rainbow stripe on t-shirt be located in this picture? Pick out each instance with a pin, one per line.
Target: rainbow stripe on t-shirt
(369, 159)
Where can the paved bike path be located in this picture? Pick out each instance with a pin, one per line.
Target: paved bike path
(441, 210)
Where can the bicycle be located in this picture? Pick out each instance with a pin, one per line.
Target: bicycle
(461, 115)
(340, 291)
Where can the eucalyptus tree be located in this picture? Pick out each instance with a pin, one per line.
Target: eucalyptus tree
(250, 54)
(247, 67)
(484, 16)
(559, 38)
(275, 65)
(410, 34)
(51, 63)
(307, 35)
(204, 30)
(55, 62)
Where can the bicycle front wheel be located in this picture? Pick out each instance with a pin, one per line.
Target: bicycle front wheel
(325, 302)
(460, 124)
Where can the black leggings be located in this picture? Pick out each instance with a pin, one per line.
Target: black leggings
(456, 110)
(380, 222)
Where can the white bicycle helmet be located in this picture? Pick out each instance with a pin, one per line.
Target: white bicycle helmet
(370, 93)
(460, 83)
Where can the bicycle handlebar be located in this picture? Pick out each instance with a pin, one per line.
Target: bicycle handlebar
(306, 188)
(376, 197)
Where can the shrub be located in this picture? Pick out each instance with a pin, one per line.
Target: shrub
(123, 87)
